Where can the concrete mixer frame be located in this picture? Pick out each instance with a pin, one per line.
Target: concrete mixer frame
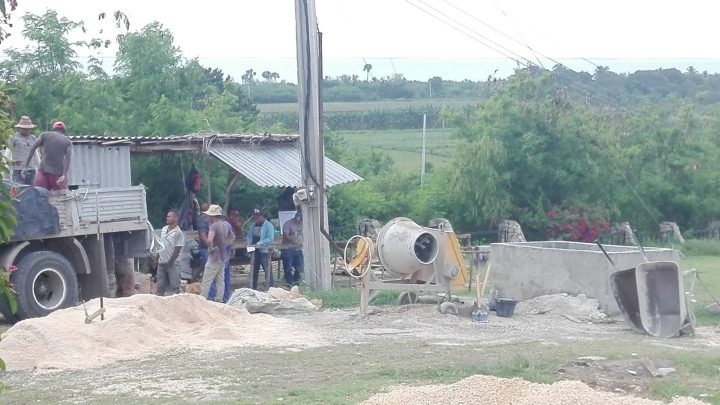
(371, 285)
(420, 259)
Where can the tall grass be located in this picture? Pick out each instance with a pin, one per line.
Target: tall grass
(701, 247)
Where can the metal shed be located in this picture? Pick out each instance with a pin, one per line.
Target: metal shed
(267, 160)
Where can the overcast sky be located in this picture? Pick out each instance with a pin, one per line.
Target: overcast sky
(243, 30)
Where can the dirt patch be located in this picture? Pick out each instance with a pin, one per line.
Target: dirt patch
(140, 325)
(482, 389)
(622, 376)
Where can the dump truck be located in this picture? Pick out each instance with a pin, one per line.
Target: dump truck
(66, 244)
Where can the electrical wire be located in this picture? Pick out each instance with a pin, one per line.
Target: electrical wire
(558, 63)
(467, 34)
(524, 44)
(473, 31)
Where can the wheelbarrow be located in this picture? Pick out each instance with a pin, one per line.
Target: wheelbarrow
(652, 298)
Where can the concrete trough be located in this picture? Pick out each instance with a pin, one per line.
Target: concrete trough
(525, 270)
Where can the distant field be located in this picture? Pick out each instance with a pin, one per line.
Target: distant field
(405, 146)
(364, 106)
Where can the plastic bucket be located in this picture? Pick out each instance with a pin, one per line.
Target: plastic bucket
(505, 307)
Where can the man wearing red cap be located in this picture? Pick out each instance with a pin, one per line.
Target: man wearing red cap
(55, 160)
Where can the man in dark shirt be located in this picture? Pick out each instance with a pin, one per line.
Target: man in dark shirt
(55, 160)
(292, 254)
(202, 226)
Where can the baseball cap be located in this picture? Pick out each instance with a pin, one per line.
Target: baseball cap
(59, 125)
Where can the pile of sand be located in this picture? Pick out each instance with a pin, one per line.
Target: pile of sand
(580, 308)
(482, 389)
(140, 325)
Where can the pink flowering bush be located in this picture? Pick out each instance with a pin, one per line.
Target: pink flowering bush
(575, 224)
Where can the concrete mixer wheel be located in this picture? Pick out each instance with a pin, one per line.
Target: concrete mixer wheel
(407, 298)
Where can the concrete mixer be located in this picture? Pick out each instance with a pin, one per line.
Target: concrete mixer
(417, 259)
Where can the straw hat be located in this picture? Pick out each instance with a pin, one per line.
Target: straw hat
(25, 122)
(214, 211)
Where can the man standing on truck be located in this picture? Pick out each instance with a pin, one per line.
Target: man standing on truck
(218, 237)
(55, 161)
(22, 143)
(168, 273)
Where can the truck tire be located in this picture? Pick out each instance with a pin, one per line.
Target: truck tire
(45, 282)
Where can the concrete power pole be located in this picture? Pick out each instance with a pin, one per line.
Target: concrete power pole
(422, 164)
(316, 247)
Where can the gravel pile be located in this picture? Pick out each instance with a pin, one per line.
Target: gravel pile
(482, 389)
(140, 325)
(579, 308)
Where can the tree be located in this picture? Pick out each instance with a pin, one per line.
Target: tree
(249, 77)
(5, 17)
(367, 68)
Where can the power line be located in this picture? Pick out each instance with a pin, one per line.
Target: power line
(473, 31)
(622, 174)
(499, 32)
(465, 33)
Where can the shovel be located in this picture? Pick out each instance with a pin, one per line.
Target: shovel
(481, 314)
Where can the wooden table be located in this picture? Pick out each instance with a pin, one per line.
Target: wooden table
(240, 244)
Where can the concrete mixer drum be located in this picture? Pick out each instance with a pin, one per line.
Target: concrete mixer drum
(404, 247)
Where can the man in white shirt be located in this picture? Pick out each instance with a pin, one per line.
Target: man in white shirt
(168, 273)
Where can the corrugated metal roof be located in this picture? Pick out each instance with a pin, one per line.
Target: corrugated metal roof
(276, 165)
(95, 166)
(254, 138)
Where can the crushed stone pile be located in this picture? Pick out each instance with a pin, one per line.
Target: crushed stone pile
(481, 389)
(275, 301)
(579, 308)
(140, 325)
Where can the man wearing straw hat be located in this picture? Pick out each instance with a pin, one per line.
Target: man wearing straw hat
(218, 237)
(21, 143)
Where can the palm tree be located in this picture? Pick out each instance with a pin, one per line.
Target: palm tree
(367, 68)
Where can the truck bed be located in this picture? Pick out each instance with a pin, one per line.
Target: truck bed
(100, 210)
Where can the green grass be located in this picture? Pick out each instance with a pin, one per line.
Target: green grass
(350, 297)
(405, 146)
(696, 374)
(708, 270)
(701, 247)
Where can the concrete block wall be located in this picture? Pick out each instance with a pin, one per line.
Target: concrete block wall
(530, 269)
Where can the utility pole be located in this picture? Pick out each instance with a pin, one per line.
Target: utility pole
(442, 111)
(422, 169)
(316, 247)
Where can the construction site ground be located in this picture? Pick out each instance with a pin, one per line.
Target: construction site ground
(357, 357)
